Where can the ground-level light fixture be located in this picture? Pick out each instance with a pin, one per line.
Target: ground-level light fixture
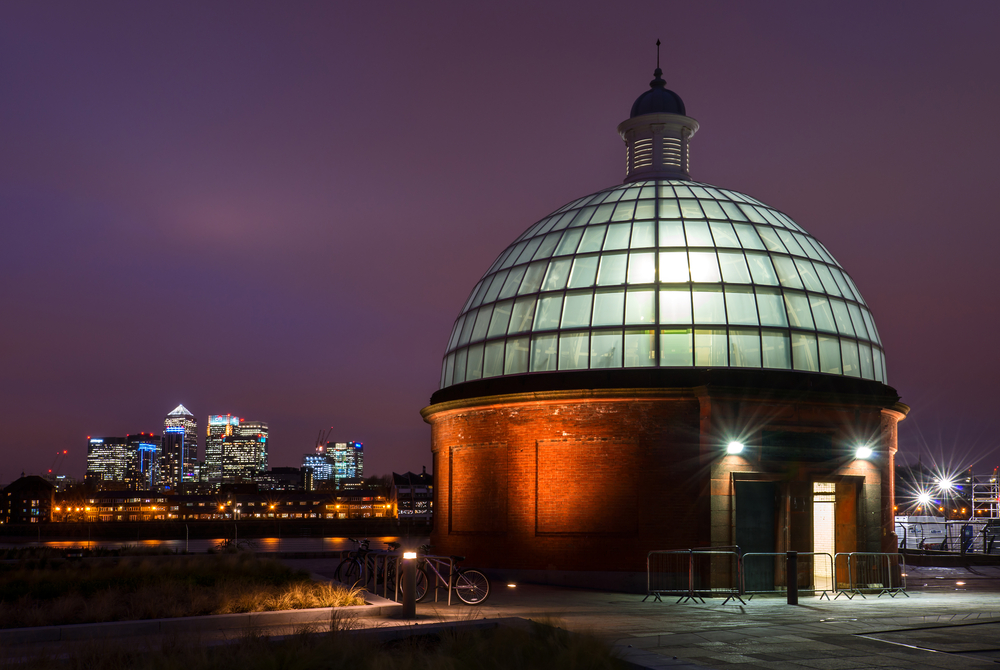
(734, 447)
(864, 451)
(409, 555)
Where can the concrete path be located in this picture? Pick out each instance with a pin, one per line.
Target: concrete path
(950, 620)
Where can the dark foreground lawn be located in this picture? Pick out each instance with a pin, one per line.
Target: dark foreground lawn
(42, 592)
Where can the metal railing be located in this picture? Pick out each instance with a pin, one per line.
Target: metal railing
(696, 574)
(980, 536)
(870, 572)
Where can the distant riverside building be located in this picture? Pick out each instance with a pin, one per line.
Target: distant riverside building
(336, 461)
(107, 460)
(412, 495)
(220, 430)
(179, 462)
(286, 479)
(28, 500)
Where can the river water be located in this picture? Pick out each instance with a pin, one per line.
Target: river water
(258, 544)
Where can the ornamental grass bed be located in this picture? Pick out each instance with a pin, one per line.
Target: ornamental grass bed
(46, 592)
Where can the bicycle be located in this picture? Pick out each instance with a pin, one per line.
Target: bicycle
(357, 563)
(471, 586)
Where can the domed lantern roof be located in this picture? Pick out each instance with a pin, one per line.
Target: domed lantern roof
(666, 273)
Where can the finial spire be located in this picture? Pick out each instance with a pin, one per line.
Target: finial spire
(658, 73)
(657, 54)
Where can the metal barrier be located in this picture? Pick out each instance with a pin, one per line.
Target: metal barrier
(694, 574)
(764, 572)
(870, 572)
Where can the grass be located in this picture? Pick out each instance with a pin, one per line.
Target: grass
(47, 592)
(540, 647)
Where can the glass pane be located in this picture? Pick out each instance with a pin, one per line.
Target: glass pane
(712, 210)
(869, 326)
(829, 355)
(867, 371)
(617, 238)
(582, 217)
(548, 246)
(514, 254)
(576, 314)
(675, 306)
(573, 351)
(849, 354)
(641, 268)
(643, 235)
(734, 267)
(698, 234)
(640, 307)
(710, 348)
(529, 251)
(472, 296)
(645, 209)
(640, 348)
(563, 221)
(748, 236)
(842, 318)
(822, 314)
(790, 243)
(481, 293)
(671, 234)
(885, 373)
(533, 277)
(522, 316)
(501, 318)
(547, 314)
(593, 238)
(584, 271)
(631, 194)
(624, 211)
(666, 191)
(761, 269)
(455, 332)
(752, 214)
(690, 208)
(808, 275)
(843, 285)
(771, 308)
(774, 347)
(516, 356)
(676, 348)
(734, 212)
(804, 354)
(606, 350)
(744, 348)
(770, 239)
(877, 355)
(741, 308)
(828, 282)
(798, 310)
(470, 321)
(513, 281)
(557, 274)
(612, 269)
(785, 268)
(603, 213)
(704, 266)
(482, 323)
(669, 209)
(724, 235)
(806, 247)
(569, 242)
(498, 282)
(474, 368)
(674, 266)
(449, 371)
(859, 323)
(543, 353)
(461, 357)
(609, 308)
(682, 191)
(709, 305)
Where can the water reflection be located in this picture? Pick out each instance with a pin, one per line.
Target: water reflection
(259, 544)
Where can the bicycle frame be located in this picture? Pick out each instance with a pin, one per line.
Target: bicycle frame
(434, 562)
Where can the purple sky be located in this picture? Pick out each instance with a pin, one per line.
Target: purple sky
(277, 209)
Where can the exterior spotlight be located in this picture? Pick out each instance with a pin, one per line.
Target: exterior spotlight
(945, 484)
(863, 452)
(924, 498)
(734, 448)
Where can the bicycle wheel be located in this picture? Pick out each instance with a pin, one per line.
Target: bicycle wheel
(422, 585)
(472, 587)
(341, 572)
(351, 574)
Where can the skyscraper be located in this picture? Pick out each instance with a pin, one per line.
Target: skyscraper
(244, 455)
(220, 429)
(336, 461)
(180, 447)
(107, 460)
(142, 471)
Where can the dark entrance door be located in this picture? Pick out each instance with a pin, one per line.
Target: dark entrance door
(756, 504)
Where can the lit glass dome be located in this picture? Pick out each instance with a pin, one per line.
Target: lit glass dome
(664, 274)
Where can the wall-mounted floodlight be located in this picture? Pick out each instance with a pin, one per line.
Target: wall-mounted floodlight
(734, 448)
(863, 452)
(945, 484)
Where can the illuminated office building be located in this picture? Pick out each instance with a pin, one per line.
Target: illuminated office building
(107, 460)
(180, 447)
(221, 428)
(143, 461)
(335, 461)
(244, 453)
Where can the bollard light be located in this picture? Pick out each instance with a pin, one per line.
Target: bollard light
(409, 555)
(734, 447)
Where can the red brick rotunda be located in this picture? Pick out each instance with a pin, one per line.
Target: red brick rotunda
(663, 364)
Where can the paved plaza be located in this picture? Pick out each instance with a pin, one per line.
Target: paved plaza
(951, 619)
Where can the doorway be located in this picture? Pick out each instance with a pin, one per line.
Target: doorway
(756, 506)
(824, 533)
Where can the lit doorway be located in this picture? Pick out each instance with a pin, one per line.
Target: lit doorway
(824, 533)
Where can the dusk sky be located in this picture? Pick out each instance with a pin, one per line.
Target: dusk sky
(277, 210)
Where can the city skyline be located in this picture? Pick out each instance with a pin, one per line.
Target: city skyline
(293, 202)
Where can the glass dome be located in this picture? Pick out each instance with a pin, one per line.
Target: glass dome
(668, 274)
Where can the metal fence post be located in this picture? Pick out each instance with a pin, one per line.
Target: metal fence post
(792, 577)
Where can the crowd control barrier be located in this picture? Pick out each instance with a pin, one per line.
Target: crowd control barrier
(694, 574)
(862, 572)
(765, 573)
